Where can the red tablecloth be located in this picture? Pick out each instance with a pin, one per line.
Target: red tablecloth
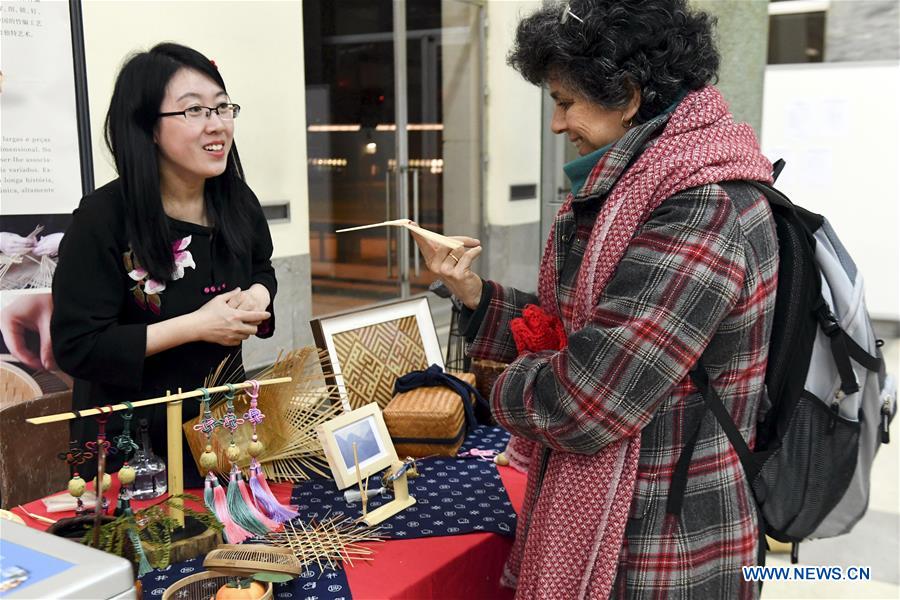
(462, 566)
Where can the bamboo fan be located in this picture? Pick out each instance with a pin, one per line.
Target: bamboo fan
(328, 543)
(245, 560)
(312, 403)
(291, 449)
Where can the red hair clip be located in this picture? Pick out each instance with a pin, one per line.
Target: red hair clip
(213, 63)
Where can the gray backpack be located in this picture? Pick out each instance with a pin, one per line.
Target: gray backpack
(830, 401)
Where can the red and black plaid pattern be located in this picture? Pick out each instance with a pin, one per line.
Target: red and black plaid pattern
(698, 277)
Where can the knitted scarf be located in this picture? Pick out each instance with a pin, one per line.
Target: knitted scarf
(569, 534)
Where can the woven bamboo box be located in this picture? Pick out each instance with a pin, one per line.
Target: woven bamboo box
(428, 420)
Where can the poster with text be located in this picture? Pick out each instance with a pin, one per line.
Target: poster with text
(40, 186)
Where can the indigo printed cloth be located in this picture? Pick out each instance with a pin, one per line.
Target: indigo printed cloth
(312, 584)
(453, 495)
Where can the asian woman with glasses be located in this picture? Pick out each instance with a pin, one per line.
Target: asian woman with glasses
(166, 270)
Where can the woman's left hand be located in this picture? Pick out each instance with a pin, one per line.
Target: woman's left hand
(255, 298)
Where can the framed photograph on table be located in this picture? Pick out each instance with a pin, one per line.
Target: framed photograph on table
(367, 350)
(364, 428)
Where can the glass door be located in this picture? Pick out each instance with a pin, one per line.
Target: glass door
(392, 102)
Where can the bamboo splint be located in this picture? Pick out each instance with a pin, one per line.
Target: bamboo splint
(77, 414)
(437, 238)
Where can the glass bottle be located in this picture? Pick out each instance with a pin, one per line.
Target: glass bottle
(150, 471)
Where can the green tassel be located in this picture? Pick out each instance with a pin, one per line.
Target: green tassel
(238, 508)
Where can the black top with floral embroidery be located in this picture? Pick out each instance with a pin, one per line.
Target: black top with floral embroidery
(103, 302)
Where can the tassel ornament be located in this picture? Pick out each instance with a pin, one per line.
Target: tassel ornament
(240, 503)
(264, 498)
(241, 507)
(216, 502)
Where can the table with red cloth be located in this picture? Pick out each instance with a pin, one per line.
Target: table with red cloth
(460, 566)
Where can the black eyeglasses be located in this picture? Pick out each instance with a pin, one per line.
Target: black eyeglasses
(226, 111)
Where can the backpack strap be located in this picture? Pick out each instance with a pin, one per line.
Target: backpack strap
(700, 377)
(713, 403)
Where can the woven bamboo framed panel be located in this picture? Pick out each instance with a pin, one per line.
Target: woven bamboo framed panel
(367, 350)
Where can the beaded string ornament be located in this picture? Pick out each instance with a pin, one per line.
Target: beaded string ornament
(213, 494)
(75, 456)
(126, 445)
(101, 449)
(240, 503)
(262, 494)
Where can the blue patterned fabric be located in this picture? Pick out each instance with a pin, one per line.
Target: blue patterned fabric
(312, 584)
(453, 495)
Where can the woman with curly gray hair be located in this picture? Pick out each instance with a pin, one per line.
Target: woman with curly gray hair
(662, 261)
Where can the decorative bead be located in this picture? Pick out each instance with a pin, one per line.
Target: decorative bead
(76, 486)
(107, 481)
(501, 460)
(208, 460)
(233, 452)
(206, 290)
(255, 447)
(127, 474)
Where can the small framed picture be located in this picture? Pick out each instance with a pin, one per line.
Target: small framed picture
(369, 349)
(363, 428)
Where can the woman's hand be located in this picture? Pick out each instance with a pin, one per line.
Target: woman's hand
(31, 312)
(256, 298)
(454, 267)
(13, 244)
(218, 322)
(48, 245)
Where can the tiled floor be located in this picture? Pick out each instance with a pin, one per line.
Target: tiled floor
(874, 542)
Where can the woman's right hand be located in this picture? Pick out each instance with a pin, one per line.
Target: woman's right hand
(218, 323)
(454, 267)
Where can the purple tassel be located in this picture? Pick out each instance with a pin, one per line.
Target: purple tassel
(265, 499)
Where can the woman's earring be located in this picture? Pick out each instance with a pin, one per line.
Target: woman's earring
(627, 124)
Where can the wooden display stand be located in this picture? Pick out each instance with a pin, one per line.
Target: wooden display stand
(402, 500)
(188, 547)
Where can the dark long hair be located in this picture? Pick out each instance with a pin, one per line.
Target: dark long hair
(130, 122)
(661, 48)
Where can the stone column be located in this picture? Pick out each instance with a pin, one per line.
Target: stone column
(742, 39)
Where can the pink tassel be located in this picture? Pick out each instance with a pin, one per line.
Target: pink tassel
(263, 519)
(234, 533)
(264, 498)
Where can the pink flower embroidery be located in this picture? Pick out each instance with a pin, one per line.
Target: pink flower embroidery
(137, 274)
(183, 258)
(146, 291)
(152, 286)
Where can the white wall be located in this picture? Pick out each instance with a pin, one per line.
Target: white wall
(513, 121)
(258, 47)
(836, 125)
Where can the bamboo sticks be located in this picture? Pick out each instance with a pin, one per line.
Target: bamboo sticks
(437, 238)
(175, 473)
(328, 543)
(76, 414)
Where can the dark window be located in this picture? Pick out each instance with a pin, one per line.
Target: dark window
(796, 38)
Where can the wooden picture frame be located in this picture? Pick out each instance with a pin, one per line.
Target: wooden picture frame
(368, 349)
(375, 450)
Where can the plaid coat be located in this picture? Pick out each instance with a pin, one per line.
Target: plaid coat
(699, 278)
